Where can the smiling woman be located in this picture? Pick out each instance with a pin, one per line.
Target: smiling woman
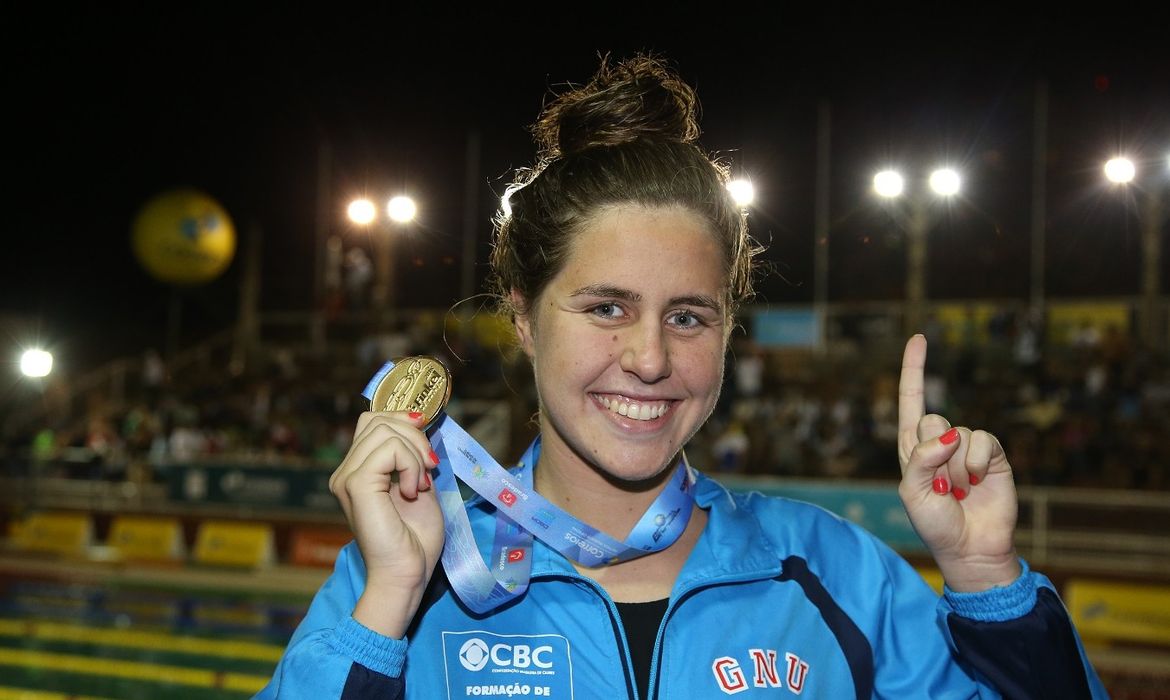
(627, 365)
(619, 570)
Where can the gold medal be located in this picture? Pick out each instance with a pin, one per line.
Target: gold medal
(420, 384)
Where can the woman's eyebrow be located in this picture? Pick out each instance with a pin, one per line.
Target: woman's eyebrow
(606, 290)
(699, 300)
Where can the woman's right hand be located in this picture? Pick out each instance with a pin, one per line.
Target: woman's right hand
(397, 523)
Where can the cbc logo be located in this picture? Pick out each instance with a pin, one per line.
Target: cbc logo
(475, 654)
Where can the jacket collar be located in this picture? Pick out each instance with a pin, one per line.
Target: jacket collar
(732, 547)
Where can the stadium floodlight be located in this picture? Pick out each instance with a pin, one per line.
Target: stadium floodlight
(401, 209)
(888, 183)
(362, 212)
(1120, 170)
(36, 363)
(742, 191)
(945, 182)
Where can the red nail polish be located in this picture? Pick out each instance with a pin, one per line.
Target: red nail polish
(434, 458)
(428, 478)
(949, 436)
(941, 486)
(973, 479)
(415, 415)
(959, 494)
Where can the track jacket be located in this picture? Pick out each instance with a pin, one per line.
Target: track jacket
(778, 599)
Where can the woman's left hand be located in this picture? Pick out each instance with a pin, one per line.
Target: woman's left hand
(957, 487)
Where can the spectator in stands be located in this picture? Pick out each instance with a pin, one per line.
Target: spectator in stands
(1115, 349)
(1026, 350)
(359, 275)
(154, 375)
(186, 441)
(622, 259)
(731, 448)
(749, 370)
(101, 438)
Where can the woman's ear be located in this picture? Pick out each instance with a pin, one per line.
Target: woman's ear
(522, 319)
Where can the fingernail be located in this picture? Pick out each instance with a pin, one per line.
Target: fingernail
(949, 436)
(434, 458)
(415, 415)
(428, 478)
(973, 479)
(941, 486)
(959, 494)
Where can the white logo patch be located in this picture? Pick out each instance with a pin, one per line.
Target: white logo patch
(484, 664)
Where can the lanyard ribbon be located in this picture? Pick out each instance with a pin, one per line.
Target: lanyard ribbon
(521, 513)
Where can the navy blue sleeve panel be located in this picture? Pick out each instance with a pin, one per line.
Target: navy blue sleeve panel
(362, 684)
(857, 650)
(1034, 656)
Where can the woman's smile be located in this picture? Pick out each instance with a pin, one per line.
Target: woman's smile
(644, 410)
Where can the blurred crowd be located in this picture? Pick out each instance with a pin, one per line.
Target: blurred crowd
(287, 408)
(1084, 410)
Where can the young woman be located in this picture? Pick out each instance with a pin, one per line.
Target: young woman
(622, 260)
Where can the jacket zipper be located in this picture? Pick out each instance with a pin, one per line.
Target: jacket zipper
(619, 634)
(656, 657)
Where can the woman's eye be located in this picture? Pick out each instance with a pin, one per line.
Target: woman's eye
(607, 310)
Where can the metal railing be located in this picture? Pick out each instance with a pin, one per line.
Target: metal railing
(1096, 530)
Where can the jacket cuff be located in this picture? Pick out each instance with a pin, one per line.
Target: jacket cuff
(385, 655)
(997, 604)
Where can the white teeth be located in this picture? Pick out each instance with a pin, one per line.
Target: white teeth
(636, 411)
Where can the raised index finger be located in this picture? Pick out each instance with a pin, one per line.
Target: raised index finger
(911, 401)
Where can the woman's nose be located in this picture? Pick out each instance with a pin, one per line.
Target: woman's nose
(646, 354)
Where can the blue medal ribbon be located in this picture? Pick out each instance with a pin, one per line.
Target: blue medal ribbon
(523, 513)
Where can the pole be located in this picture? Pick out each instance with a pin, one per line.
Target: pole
(916, 264)
(1153, 328)
(470, 215)
(248, 320)
(321, 243)
(384, 266)
(174, 323)
(1039, 196)
(821, 226)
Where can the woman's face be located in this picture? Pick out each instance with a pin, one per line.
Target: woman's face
(627, 340)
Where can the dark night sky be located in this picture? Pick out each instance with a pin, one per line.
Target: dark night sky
(109, 107)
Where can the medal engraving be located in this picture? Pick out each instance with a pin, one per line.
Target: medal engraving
(419, 384)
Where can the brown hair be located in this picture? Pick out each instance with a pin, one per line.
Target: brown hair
(626, 137)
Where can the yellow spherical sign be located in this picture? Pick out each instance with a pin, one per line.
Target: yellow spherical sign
(184, 237)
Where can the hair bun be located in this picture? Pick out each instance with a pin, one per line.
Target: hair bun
(637, 98)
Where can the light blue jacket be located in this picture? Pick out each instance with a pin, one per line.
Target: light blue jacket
(779, 598)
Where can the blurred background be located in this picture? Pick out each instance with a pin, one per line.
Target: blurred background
(220, 222)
